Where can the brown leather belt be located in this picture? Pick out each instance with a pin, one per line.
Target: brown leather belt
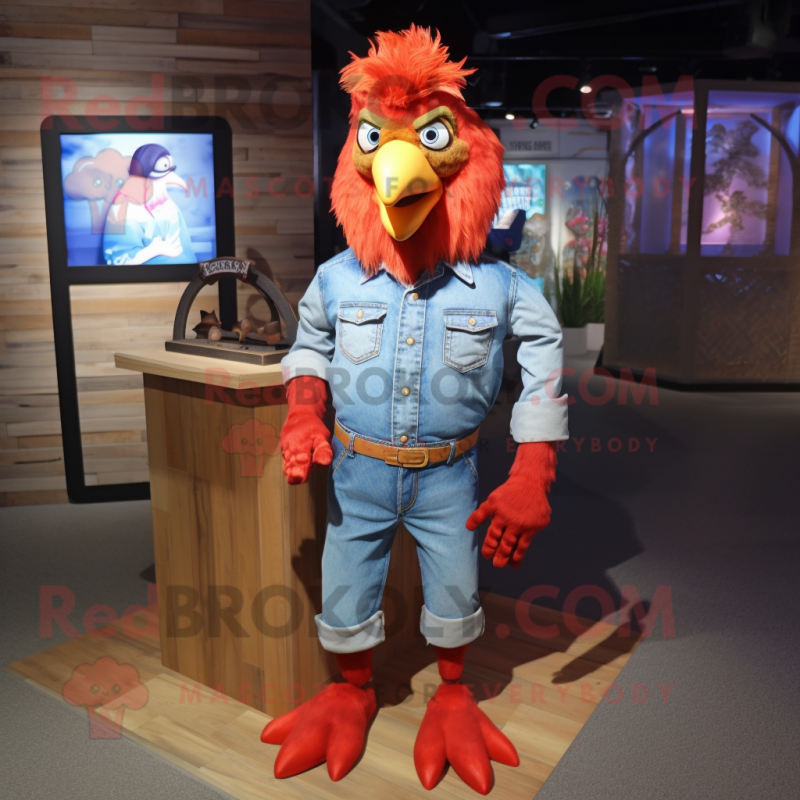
(405, 456)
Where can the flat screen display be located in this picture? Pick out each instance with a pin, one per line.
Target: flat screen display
(138, 198)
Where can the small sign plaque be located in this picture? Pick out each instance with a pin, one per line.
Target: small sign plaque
(219, 267)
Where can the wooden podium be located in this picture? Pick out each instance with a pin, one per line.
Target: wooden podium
(238, 551)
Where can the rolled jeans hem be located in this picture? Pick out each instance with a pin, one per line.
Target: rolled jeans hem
(451, 632)
(351, 639)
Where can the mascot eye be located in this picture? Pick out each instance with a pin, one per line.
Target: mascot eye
(162, 165)
(436, 136)
(368, 137)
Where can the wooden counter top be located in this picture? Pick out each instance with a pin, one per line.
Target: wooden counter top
(215, 371)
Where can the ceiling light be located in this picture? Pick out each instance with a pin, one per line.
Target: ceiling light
(585, 80)
(493, 103)
(510, 116)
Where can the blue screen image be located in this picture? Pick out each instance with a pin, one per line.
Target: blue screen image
(138, 198)
(525, 189)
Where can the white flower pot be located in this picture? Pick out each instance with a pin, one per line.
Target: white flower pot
(574, 341)
(595, 334)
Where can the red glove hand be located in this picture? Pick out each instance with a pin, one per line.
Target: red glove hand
(305, 439)
(519, 507)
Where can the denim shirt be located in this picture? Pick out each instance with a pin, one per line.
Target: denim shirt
(425, 362)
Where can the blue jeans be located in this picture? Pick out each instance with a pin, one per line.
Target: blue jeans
(367, 500)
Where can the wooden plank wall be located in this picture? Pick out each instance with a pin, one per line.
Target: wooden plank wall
(246, 60)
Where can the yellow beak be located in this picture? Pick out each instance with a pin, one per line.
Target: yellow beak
(406, 188)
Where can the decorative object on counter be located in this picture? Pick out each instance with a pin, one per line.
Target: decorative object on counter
(243, 342)
(271, 332)
(243, 327)
(208, 321)
(211, 329)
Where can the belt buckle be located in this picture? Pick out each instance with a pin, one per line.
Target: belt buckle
(414, 457)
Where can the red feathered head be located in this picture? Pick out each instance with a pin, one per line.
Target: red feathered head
(420, 176)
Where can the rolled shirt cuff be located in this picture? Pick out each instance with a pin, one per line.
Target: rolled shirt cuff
(359, 637)
(304, 362)
(451, 632)
(544, 422)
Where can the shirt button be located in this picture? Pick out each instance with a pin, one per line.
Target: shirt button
(404, 439)
(410, 340)
(415, 296)
(471, 319)
(360, 313)
(405, 391)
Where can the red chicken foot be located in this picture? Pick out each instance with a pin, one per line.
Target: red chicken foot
(330, 727)
(455, 730)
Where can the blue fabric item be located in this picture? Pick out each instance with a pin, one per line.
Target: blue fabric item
(367, 499)
(409, 365)
(429, 369)
(509, 238)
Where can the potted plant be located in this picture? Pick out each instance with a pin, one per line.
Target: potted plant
(571, 305)
(594, 287)
(580, 296)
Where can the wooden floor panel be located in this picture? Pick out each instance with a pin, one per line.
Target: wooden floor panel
(539, 691)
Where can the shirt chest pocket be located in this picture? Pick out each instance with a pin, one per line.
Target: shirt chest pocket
(361, 330)
(468, 338)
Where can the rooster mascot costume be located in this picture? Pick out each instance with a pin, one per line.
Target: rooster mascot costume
(406, 328)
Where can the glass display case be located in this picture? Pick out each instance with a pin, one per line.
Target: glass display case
(703, 246)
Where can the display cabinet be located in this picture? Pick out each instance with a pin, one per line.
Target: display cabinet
(702, 279)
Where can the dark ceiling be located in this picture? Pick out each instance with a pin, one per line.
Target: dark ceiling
(516, 44)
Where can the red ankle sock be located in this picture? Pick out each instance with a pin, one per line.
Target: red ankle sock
(356, 667)
(451, 661)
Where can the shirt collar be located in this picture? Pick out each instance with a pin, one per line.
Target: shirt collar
(462, 269)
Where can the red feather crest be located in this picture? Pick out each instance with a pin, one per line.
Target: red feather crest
(401, 69)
